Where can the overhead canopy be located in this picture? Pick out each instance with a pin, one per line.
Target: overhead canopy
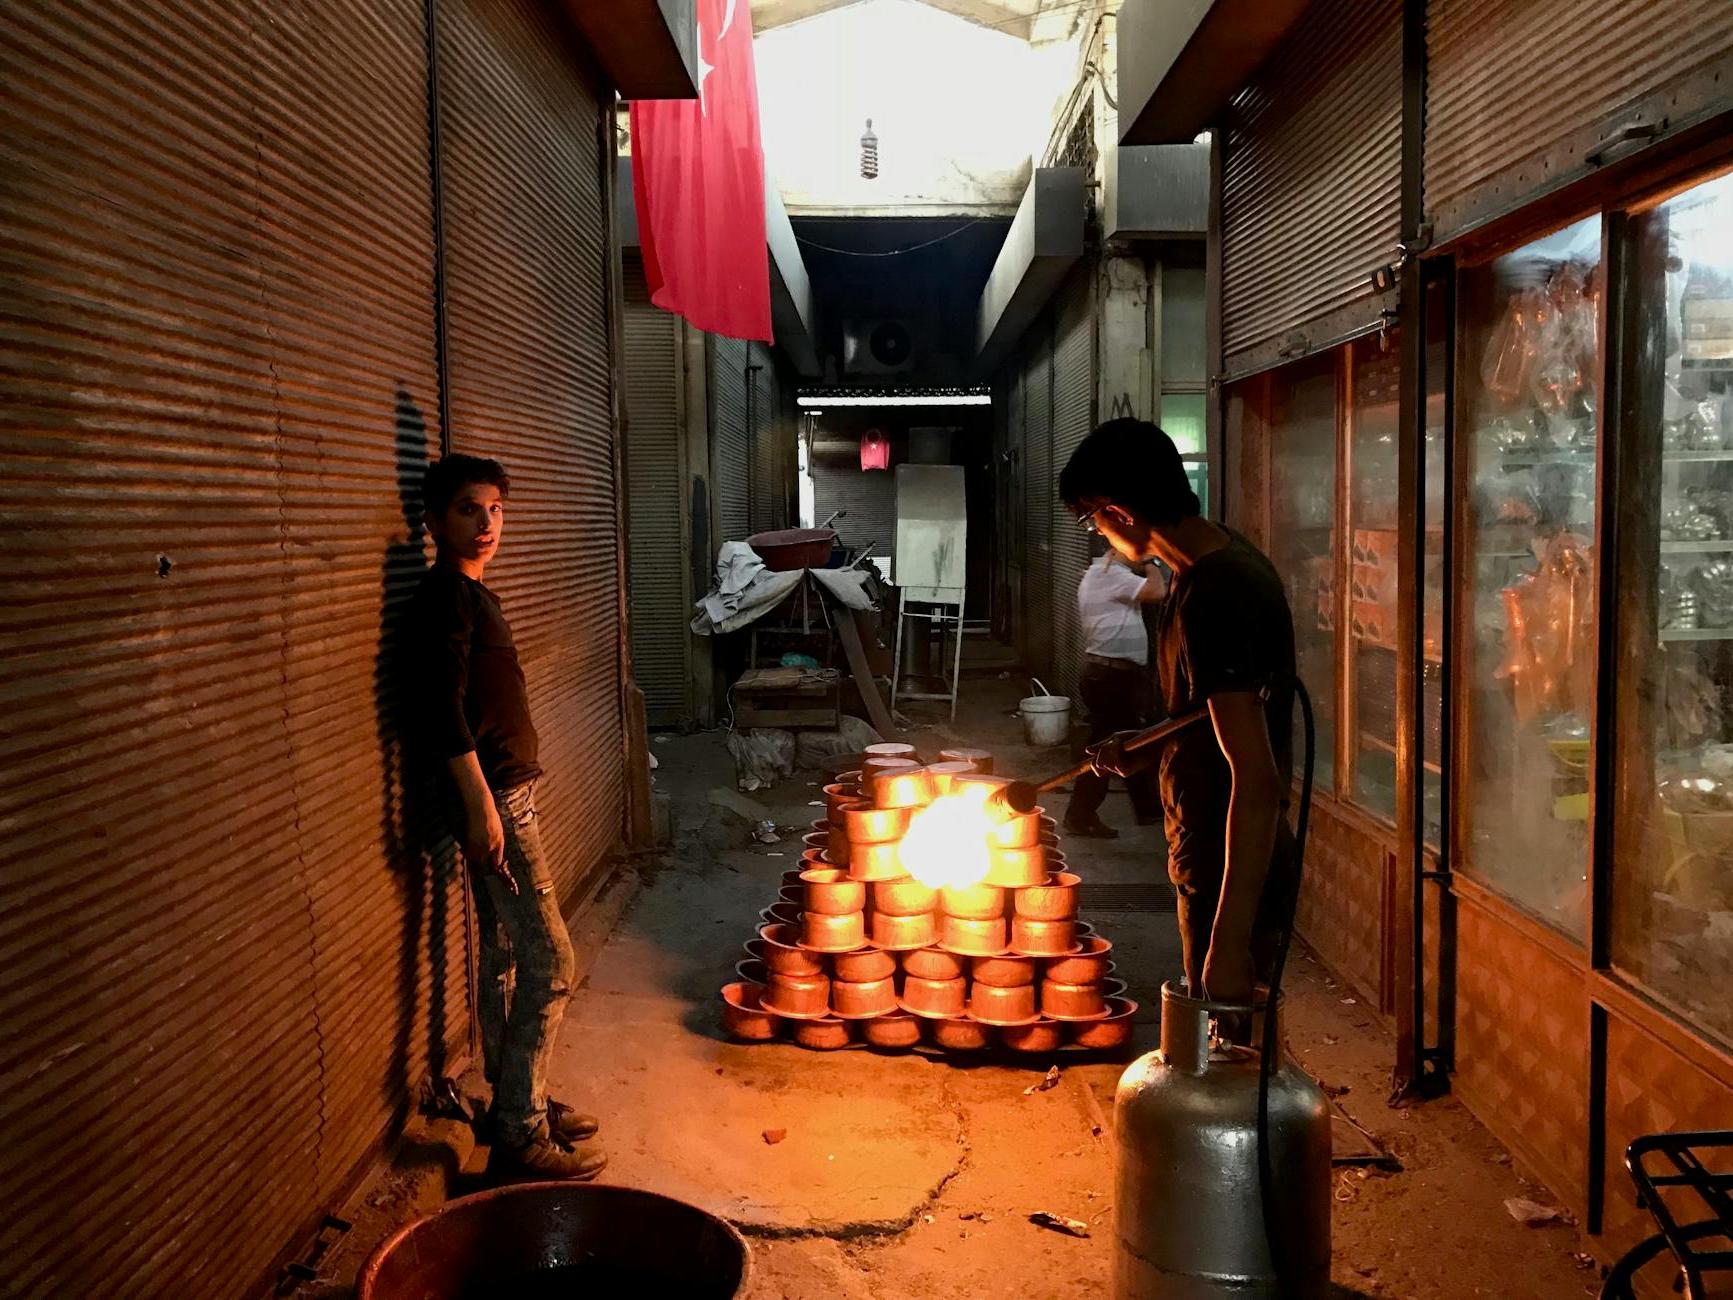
(1156, 191)
(1045, 239)
(647, 48)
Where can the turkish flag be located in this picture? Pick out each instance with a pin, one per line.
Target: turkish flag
(698, 180)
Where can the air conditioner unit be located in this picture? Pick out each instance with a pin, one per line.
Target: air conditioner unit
(877, 347)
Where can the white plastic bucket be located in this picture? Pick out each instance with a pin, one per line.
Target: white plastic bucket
(1046, 718)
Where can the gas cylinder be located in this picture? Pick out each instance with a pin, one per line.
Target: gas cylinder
(1188, 1213)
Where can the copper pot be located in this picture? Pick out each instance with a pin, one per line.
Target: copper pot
(1054, 901)
(827, 933)
(904, 897)
(836, 841)
(871, 769)
(945, 777)
(979, 785)
(995, 1005)
(856, 1000)
(1019, 831)
(973, 902)
(823, 1035)
(782, 913)
(979, 760)
(1042, 1036)
(926, 997)
(1088, 965)
(1042, 938)
(933, 964)
(852, 779)
(798, 996)
(1004, 972)
(974, 938)
(961, 1035)
(839, 795)
(898, 933)
(1015, 868)
(875, 825)
(791, 894)
(754, 949)
(752, 971)
(913, 788)
(792, 878)
(875, 862)
(862, 965)
(1114, 1030)
(1085, 930)
(898, 1029)
(1048, 840)
(889, 749)
(743, 1013)
(1056, 860)
(1072, 1001)
(1049, 824)
(1112, 988)
(830, 891)
(816, 858)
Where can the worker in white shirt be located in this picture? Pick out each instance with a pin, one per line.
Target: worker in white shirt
(1114, 681)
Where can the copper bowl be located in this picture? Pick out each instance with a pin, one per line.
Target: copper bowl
(836, 841)
(782, 913)
(754, 949)
(1112, 988)
(1048, 840)
(1054, 901)
(945, 777)
(857, 1000)
(904, 897)
(815, 858)
(913, 788)
(898, 1029)
(973, 902)
(1049, 823)
(993, 1005)
(902, 933)
(933, 964)
(1041, 1036)
(1113, 1030)
(800, 997)
(822, 932)
(1072, 1001)
(955, 1035)
(1085, 930)
(979, 785)
(851, 779)
(937, 998)
(829, 890)
(743, 1014)
(791, 894)
(1004, 972)
(1090, 964)
(1042, 938)
(875, 825)
(823, 1035)
(1016, 868)
(752, 971)
(863, 964)
(1019, 831)
(1056, 860)
(973, 938)
(872, 768)
(839, 794)
(874, 862)
(979, 760)
(889, 749)
(792, 878)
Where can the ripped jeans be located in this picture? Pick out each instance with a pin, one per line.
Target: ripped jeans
(526, 973)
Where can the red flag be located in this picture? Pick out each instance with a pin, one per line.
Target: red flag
(698, 180)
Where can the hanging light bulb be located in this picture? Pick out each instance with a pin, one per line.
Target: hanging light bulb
(869, 153)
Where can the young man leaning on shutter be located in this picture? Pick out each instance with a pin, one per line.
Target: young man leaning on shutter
(474, 706)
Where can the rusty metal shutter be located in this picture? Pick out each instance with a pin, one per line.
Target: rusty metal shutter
(527, 270)
(1519, 95)
(661, 605)
(730, 438)
(1038, 496)
(1073, 417)
(1311, 186)
(869, 496)
(1009, 522)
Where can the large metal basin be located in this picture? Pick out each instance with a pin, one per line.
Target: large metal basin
(560, 1241)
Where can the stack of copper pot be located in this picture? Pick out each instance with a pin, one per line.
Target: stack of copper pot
(856, 950)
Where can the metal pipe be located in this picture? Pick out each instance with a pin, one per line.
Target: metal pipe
(1022, 796)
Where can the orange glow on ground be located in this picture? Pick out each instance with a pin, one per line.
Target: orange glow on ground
(945, 846)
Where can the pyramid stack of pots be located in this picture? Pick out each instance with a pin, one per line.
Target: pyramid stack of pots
(855, 950)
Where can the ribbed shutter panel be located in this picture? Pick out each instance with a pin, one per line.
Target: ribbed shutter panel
(526, 250)
(1038, 494)
(1073, 412)
(160, 1065)
(730, 440)
(769, 505)
(1013, 539)
(1518, 93)
(1312, 179)
(869, 496)
(655, 485)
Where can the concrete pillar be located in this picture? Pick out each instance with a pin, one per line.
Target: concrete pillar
(1128, 379)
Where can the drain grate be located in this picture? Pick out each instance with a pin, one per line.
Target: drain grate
(1145, 896)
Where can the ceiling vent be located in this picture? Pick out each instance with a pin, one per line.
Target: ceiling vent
(877, 347)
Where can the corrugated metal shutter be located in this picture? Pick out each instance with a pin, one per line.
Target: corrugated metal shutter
(1311, 185)
(655, 485)
(869, 496)
(769, 430)
(1518, 95)
(1013, 544)
(527, 250)
(730, 438)
(1038, 496)
(1073, 415)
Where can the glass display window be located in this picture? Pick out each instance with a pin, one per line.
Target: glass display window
(1374, 375)
(1528, 389)
(1671, 894)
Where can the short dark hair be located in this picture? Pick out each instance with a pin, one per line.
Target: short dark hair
(1130, 463)
(449, 473)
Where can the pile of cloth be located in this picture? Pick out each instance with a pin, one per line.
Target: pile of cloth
(746, 591)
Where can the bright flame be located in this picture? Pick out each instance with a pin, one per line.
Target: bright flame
(945, 846)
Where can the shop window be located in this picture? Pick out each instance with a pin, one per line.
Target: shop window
(1672, 881)
(1182, 419)
(1303, 537)
(1529, 388)
(1434, 506)
(1374, 373)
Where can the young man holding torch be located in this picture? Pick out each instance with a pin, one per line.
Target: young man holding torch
(1225, 640)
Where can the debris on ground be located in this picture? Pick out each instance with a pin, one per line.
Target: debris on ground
(1532, 1214)
(774, 1135)
(1582, 1259)
(1046, 1081)
(1348, 1185)
(1501, 1157)
(765, 832)
(1059, 1223)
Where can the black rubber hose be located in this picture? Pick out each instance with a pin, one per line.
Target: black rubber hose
(1271, 1045)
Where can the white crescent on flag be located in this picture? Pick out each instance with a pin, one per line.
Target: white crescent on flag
(705, 67)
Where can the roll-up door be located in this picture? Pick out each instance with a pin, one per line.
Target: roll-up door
(1073, 412)
(655, 482)
(869, 496)
(1522, 97)
(1311, 186)
(730, 438)
(769, 508)
(526, 267)
(1013, 544)
(1038, 495)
